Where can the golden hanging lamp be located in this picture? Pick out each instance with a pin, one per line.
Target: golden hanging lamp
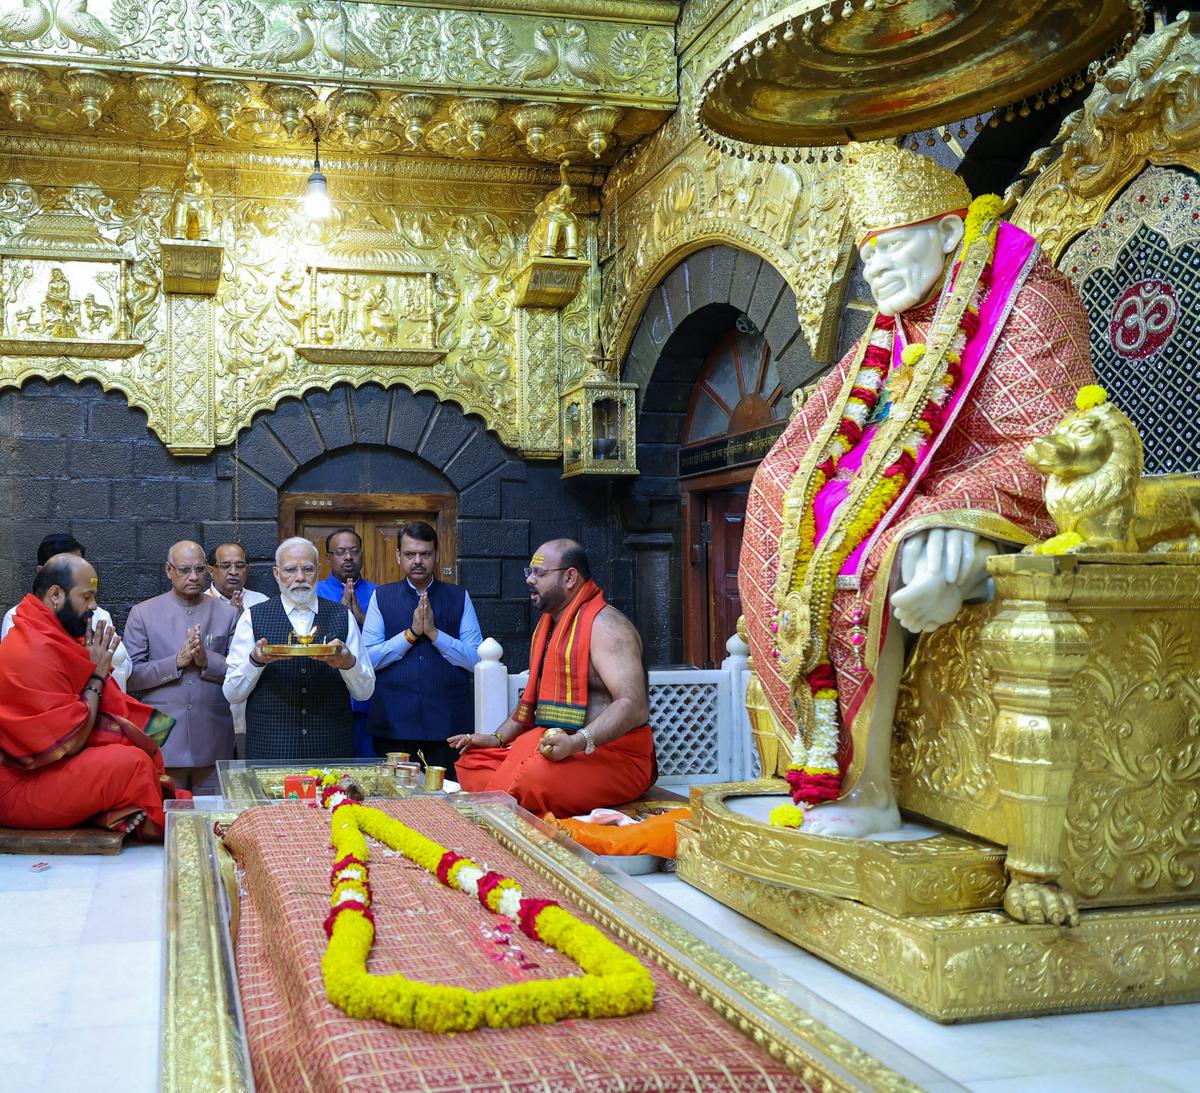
(818, 73)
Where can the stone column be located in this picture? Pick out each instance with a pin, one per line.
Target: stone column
(657, 602)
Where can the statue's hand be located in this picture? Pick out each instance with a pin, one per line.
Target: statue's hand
(1037, 902)
(939, 568)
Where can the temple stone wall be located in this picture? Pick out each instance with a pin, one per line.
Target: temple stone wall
(81, 460)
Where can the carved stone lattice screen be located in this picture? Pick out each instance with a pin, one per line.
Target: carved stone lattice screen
(685, 721)
(696, 721)
(1138, 272)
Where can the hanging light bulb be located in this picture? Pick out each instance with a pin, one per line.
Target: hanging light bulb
(316, 192)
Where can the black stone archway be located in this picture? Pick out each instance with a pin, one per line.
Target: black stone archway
(696, 304)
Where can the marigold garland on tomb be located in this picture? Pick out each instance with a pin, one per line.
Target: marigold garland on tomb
(813, 773)
(614, 984)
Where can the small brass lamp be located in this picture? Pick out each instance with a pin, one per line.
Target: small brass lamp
(599, 424)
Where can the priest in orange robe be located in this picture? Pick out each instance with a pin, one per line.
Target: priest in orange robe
(74, 748)
(578, 738)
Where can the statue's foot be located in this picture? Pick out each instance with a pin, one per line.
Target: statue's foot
(853, 820)
(1038, 902)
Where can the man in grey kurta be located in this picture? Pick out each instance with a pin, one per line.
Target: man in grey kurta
(177, 642)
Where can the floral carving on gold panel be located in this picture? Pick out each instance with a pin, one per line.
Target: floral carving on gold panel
(1133, 822)
(944, 715)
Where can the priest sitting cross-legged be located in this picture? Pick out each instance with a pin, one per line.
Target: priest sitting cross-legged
(74, 747)
(578, 738)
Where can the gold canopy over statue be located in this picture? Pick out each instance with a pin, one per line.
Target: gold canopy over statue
(1046, 716)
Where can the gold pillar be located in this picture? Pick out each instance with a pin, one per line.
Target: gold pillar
(191, 373)
(1034, 648)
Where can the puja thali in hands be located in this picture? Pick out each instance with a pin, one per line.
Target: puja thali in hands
(301, 645)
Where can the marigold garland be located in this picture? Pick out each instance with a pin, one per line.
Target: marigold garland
(614, 984)
(813, 774)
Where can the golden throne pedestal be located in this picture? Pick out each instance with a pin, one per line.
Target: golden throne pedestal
(1058, 748)
(1051, 738)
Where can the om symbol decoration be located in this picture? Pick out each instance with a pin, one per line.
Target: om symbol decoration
(1143, 319)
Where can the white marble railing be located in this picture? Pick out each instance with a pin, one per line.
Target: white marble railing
(701, 730)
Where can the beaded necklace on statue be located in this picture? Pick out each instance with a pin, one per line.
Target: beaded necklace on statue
(807, 580)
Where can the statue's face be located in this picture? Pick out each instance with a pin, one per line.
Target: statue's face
(903, 265)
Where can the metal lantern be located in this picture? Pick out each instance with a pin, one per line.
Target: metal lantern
(599, 425)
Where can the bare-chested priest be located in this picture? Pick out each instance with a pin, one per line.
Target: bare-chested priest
(74, 748)
(586, 678)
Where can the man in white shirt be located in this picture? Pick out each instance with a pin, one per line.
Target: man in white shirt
(229, 570)
(297, 708)
(62, 543)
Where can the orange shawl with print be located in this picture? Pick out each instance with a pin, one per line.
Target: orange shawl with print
(42, 713)
(557, 691)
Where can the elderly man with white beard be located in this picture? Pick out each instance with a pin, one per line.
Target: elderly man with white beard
(297, 708)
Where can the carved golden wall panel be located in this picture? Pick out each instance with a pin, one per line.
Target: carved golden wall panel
(462, 227)
(1133, 720)
(1143, 111)
(674, 195)
(579, 52)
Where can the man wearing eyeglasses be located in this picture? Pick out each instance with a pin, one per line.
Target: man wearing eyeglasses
(177, 643)
(298, 707)
(578, 739)
(229, 570)
(346, 585)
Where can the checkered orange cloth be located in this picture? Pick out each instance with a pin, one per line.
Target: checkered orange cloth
(298, 1041)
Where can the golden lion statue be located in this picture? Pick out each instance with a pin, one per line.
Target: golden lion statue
(553, 220)
(1095, 492)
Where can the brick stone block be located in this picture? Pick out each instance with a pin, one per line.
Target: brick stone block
(745, 274)
(143, 499)
(721, 262)
(483, 498)
(259, 538)
(110, 458)
(196, 500)
(784, 324)
(115, 419)
(678, 295)
(480, 577)
(479, 456)
(331, 411)
(292, 424)
(660, 428)
(48, 417)
(370, 409)
(107, 542)
(262, 452)
(444, 436)
(767, 289)
(156, 537)
(35, 456)
(29, 496)
(80, 498)
(409, 414)
(152, 460)
(258, 499)
(493, 538)
(500, 617)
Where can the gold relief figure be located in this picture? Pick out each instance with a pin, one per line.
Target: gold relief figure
(95, 314)
(378, 316)
(192, 203)
(60, 312)
(555, 231)
(25, 23)
(1095, 491)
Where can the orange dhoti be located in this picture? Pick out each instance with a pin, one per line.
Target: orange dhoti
(613, 774)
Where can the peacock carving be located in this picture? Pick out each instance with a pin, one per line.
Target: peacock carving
(26, 23)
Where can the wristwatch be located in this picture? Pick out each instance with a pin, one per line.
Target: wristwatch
(590, 745)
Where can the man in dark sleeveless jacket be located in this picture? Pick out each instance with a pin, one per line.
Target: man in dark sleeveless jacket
(422, 636)
(297, 708)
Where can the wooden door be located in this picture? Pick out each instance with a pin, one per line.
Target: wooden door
(714, 512)
(378, 518)
(726, 518)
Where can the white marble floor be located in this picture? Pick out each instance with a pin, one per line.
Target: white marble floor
(81, 966)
